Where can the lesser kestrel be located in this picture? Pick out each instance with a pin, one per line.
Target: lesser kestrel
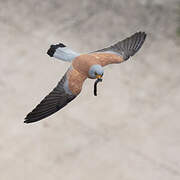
(82, 66)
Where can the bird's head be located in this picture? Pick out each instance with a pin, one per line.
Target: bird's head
(96, 71)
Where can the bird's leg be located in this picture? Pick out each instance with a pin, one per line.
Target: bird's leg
(95, 85)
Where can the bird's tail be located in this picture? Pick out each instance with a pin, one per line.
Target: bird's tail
(60, 51)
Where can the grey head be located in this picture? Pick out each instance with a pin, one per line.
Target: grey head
(96, 71)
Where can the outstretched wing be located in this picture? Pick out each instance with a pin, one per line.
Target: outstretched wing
(124, 49)
(61, 95)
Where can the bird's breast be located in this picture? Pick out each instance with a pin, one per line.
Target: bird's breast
(83, 63)
(75, 81)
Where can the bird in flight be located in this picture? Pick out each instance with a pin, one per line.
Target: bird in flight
(82, 66)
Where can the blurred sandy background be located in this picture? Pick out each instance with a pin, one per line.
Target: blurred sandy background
(130, 131)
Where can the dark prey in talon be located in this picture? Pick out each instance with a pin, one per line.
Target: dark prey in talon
(95, 86)
(82, 66)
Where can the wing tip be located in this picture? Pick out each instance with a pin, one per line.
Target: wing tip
(31, 117)
(28, 120)
(135, 41)
(143, 34)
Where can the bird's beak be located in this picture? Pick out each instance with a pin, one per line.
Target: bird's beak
(98, 76)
